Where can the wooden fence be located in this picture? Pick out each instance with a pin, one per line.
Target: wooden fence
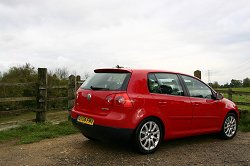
(230, 94)
(42, 98)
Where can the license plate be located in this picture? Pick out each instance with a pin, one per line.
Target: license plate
(85, 120)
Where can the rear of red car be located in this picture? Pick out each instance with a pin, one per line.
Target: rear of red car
(103, 108)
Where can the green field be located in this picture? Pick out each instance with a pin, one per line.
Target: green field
(237, 89)
(239, 97)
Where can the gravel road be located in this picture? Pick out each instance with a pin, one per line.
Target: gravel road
(77, 150)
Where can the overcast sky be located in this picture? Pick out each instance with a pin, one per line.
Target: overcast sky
(177, 35)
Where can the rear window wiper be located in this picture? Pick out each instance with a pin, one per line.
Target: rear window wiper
(98, 88)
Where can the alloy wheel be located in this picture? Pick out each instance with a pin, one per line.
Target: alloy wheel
(230, 126)
(149, 135)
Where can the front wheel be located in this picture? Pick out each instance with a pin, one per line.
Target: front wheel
(148, 136)
(230, 126)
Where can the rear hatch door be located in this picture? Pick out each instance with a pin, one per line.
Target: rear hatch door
(92, 95)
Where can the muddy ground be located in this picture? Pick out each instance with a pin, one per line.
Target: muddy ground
(78, 150)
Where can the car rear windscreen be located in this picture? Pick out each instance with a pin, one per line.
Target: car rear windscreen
(107, 81)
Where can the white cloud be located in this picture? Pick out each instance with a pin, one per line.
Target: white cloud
(83, 35)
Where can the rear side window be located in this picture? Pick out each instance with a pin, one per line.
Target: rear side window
(153, 85)
(165, 83)
(107, 81)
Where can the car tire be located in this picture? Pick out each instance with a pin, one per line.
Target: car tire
(229, 127)
(148, 136)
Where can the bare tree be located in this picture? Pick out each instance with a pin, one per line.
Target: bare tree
(86, 75)
(62, 73)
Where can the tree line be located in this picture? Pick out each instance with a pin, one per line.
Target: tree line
(26, 74)
(233, 84)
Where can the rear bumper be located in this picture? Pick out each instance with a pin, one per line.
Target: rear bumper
(104, 133)
(114, 119)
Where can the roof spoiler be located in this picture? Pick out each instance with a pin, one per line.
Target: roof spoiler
(113, 70)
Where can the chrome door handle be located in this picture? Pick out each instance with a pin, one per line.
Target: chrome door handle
(162, 102)
(196, 104)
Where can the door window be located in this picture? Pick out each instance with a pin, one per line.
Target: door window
(197, 88)
(165, 83)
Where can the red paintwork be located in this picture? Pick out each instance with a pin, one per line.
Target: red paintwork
(180, 115)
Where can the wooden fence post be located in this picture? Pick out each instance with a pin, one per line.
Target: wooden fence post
(197, 74)
(230, 94)
(78, 84)
(71, 91)
(42, 95)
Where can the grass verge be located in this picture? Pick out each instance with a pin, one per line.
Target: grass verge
(30, 133)
(245, 123)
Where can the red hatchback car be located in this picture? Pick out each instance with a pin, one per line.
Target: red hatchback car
(148, 106)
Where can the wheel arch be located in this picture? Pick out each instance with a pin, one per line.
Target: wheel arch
(225, 115)
(158, 119)
(222, 132)
(234, 112)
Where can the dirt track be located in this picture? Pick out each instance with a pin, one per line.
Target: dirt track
(77, 150)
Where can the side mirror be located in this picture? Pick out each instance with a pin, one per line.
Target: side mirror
(219, 96)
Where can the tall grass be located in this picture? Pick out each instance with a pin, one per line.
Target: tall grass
(245, 123)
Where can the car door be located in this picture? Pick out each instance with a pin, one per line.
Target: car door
(206, 110)
(167, 92)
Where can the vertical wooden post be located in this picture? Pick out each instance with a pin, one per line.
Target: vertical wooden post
(197, 74)
(78, 84)
(71, 91)
(42, 95)
(230, 94)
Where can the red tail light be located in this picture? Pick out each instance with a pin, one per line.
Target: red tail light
(120, 100)
(77, 97)
(110, 99)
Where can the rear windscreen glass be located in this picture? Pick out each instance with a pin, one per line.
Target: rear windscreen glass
(107, 81)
